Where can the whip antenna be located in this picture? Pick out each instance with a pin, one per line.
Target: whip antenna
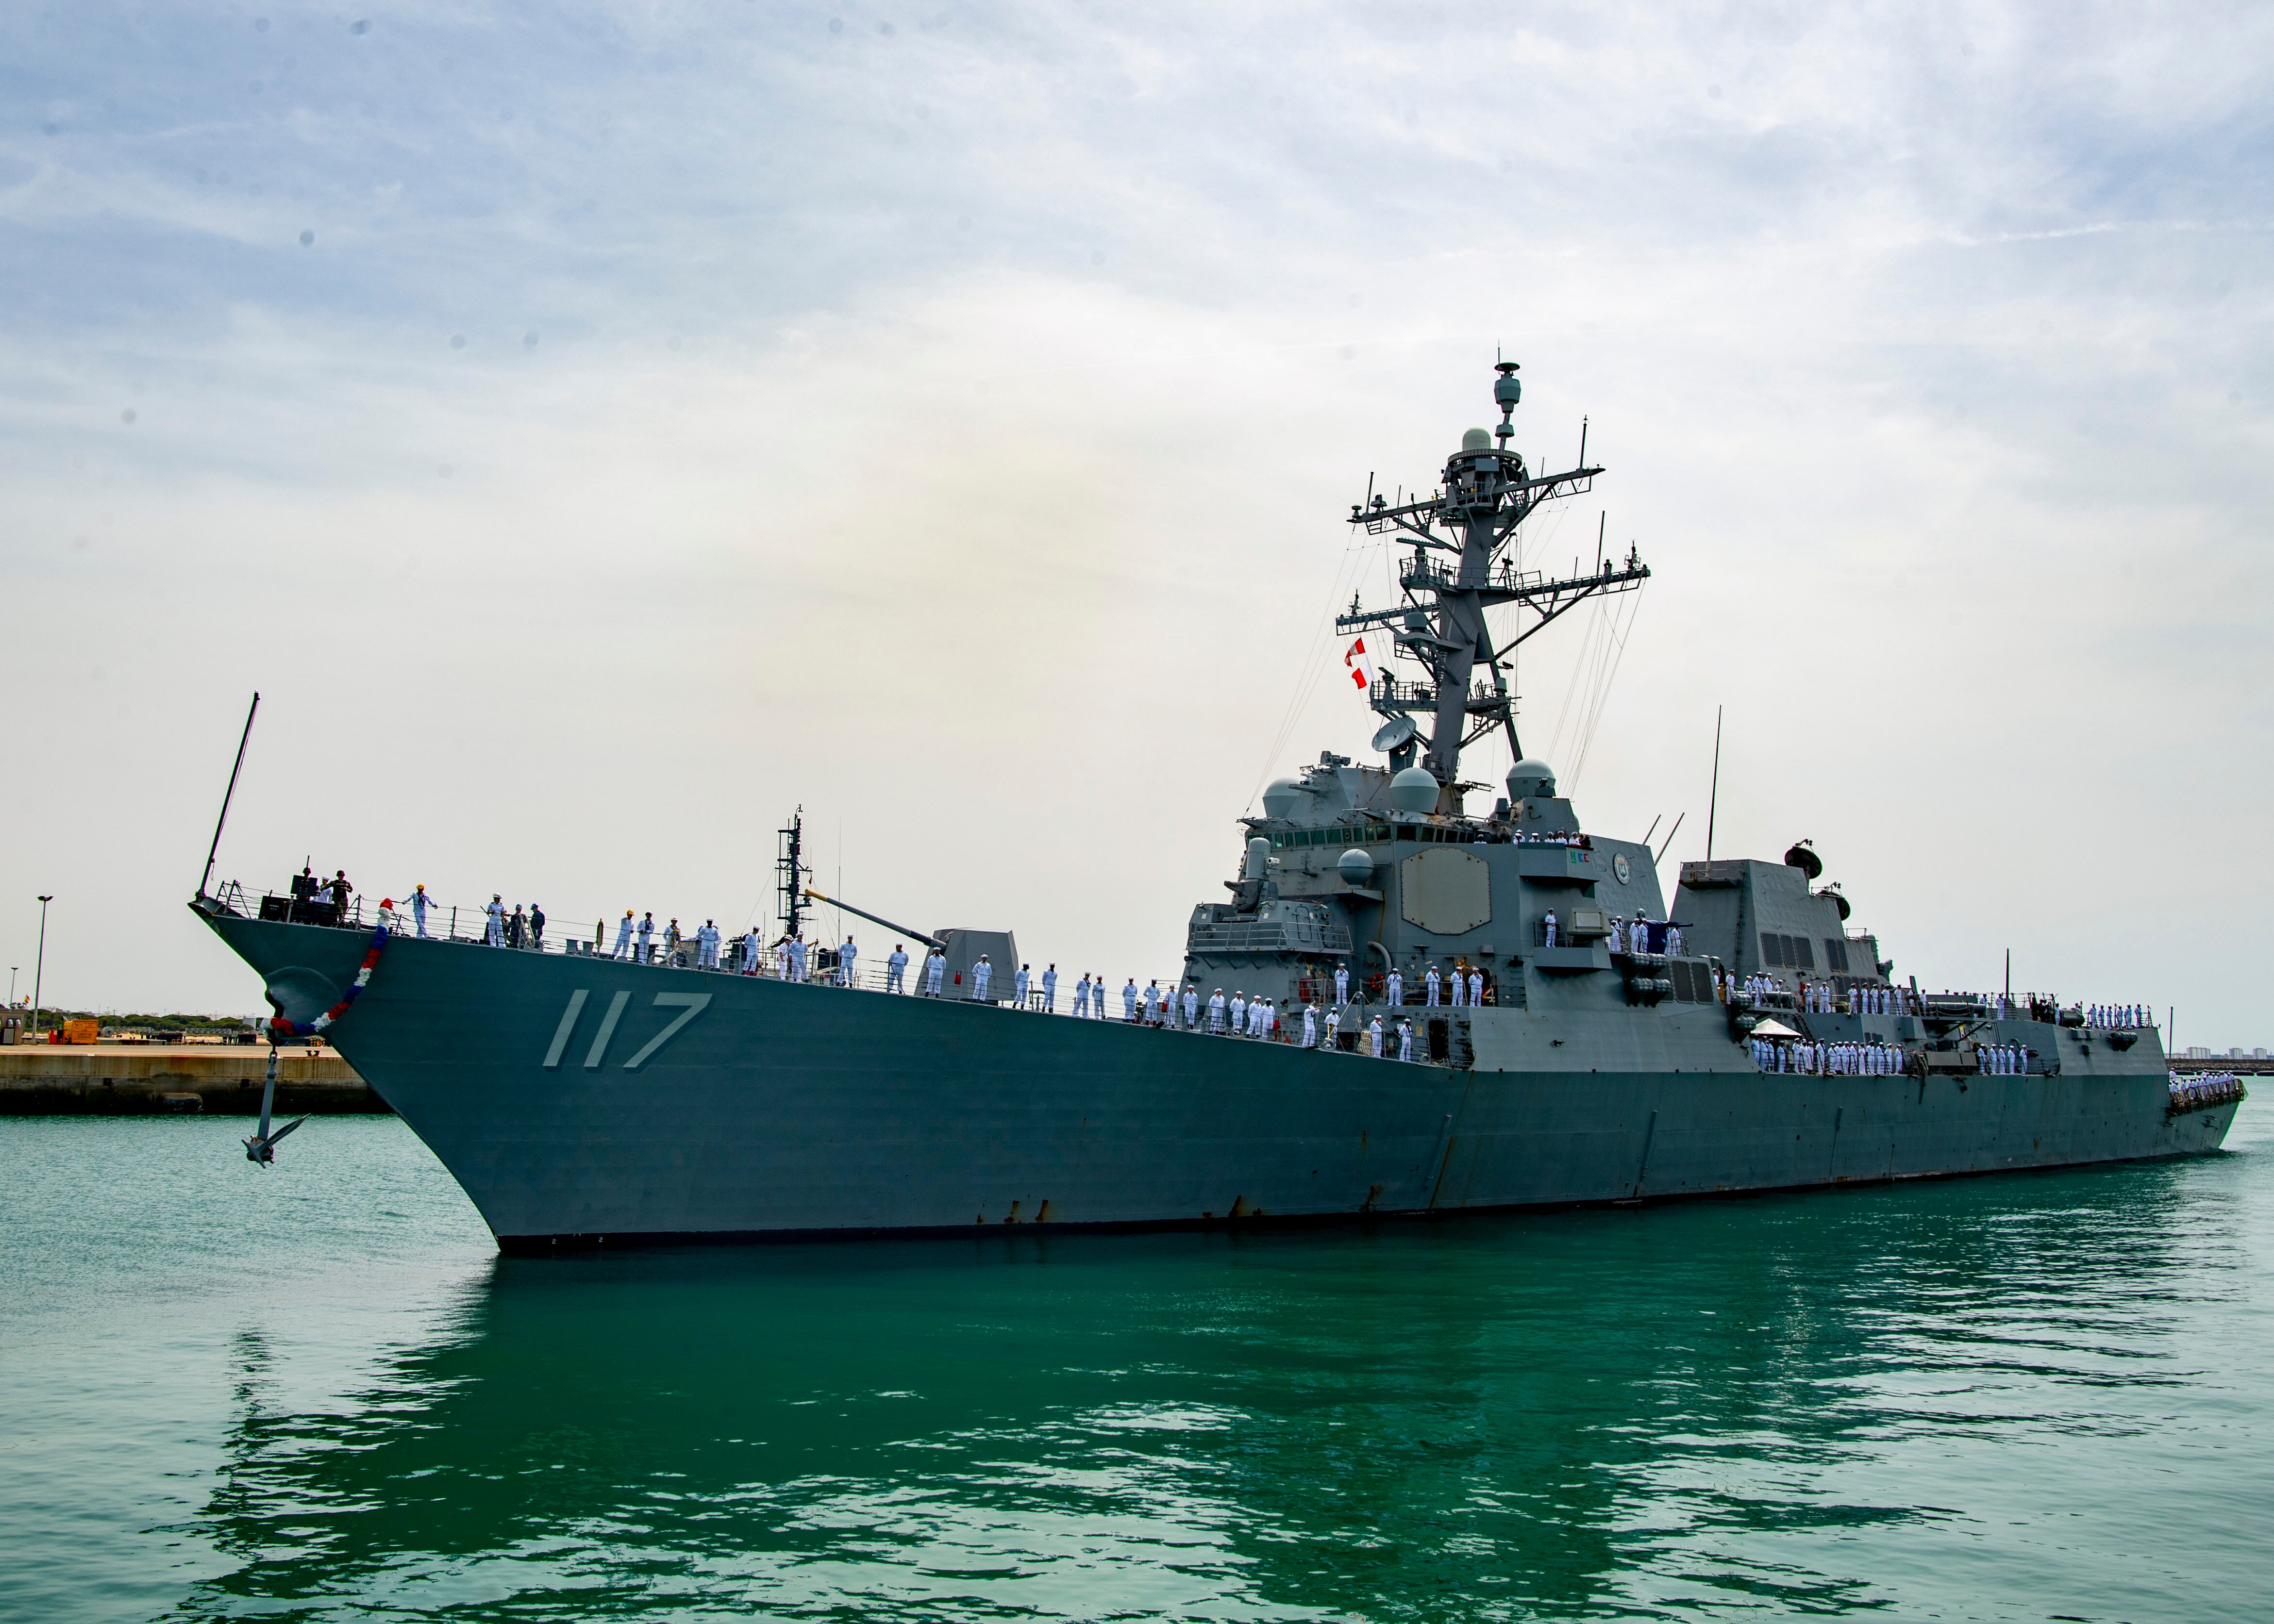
(228, 795)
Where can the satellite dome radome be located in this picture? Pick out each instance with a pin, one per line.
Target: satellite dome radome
(1280, 796)
(1476, 440)
(1530, 778)
(1414, 790)
(1356, 865)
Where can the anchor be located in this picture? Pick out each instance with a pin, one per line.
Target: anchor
(293, 992)
(261, 1149)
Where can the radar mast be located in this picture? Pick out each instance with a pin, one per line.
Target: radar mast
(1486, 491)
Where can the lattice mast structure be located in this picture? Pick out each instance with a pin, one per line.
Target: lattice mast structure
(1464, 562)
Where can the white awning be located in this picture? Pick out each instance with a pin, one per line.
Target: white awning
(1773, 1029)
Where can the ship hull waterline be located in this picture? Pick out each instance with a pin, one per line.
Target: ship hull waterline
(588, 1101)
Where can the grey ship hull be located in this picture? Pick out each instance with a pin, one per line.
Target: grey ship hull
(780, 1110)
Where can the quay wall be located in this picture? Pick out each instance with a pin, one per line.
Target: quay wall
(129, 1079)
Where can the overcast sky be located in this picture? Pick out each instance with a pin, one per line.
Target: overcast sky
(598, 430)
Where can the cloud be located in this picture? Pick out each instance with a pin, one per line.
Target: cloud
(949, 429)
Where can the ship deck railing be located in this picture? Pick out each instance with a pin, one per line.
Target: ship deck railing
(469, 928)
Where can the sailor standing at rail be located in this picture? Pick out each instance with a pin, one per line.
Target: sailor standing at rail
(1239, 1011)
(896, 969)
(623, 936)
(1050, 989)
(1334, 1024)
(1374, 1031)
(1081, 997)
(935, 971)
(754, 944)
(646, 936)
(1405, 1040)
(1432, 985)
(1476, 988)
(1191, 1006)
(1310, 1026)
(1549, 925)
(1216, 1011)
(846, 955)
(982, 974)
(1129, 1000)
(1342, 985)
(1022, 983)
(418, 909)
(1672, 940)
(1460, 988)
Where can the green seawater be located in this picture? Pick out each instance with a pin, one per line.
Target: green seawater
(317, 1393)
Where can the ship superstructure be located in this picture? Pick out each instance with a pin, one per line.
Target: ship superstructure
(1478, 1008)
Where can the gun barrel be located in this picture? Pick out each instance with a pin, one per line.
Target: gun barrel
(926, 937)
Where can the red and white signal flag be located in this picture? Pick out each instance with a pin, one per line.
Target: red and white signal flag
(1359, 664)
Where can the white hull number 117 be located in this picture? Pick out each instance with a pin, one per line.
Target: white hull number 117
(689, 1004)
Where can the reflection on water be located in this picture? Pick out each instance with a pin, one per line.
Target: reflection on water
(1996, 1398)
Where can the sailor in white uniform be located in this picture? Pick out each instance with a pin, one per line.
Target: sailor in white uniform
(1460, 988)
(1157, 1003)
(1050, 989)
(1672, 940)
(982, 974)
(1334, 1024)
(1396, 994)
(495, 933)
(706, 945)
(418, 909)
(846, 956)
(1129, 1000)
(1342, 985)
(1081, 997)
(1405, 1040)
(1476, 988)
(646, 936)
(1550, 923)
(1022, 983)
(753, 945)
(1216, 1011)
(1374, 1033)
(896, 969)
(1432, 985)
(935, 973)
(1191, 1006)
(1310, 1026)
(1238, 1012)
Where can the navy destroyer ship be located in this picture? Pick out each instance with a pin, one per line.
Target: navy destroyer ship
(1481, 1004)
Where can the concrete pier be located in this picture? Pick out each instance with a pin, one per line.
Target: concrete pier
(124, 1079)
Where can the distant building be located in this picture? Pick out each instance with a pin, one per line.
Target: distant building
(2198, 1052)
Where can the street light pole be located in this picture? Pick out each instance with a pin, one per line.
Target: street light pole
(40, 963)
